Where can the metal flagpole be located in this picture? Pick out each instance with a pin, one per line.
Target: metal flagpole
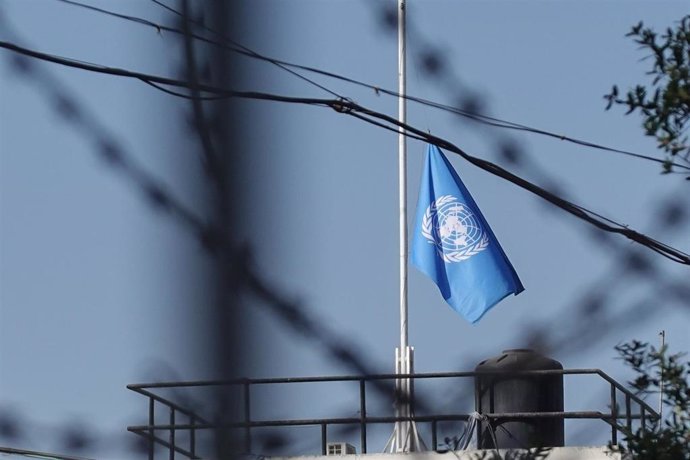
(405, 437)
(402, 171)
(402, 402)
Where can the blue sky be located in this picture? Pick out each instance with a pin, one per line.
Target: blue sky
(97, 291)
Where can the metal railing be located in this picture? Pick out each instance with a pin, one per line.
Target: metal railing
(185, 419)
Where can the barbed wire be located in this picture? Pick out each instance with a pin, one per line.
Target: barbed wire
(210, 238)
(293, 314)
(584, 320)
(671, 213)
(672, 218)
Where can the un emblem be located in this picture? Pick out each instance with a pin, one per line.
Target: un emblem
(453, 229)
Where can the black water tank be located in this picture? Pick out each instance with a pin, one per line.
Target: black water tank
(501, 390)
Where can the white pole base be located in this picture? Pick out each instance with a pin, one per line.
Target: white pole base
(405, 437)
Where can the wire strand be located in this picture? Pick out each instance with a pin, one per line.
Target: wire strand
(236, 47)
(348, 107)
(481, 118)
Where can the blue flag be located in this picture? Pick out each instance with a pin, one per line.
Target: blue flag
(453, 245)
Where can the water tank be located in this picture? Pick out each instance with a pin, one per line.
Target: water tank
(501, 390)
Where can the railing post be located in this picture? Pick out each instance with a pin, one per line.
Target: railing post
(362, 416)
(478, 408)
(152, 420)
(628, 415)
(324, 439)
(434, 440)
(643, 419)
(614, 417)
(247, 418)
(192, 436)
(172, 434)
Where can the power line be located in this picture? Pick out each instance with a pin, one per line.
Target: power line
(98, 68)
(159, 28)
(236, 47)
(348, 107)
(246, 50)
(181, 95)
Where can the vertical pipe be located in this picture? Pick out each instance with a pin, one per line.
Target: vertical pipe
(410, 370)
(172, 434)
(643, 419)
(324, 439)
(614, 420)
(247, 418)
(401, 428)
(398, 397)
(478, 409)
(152, 420)
(362, 417)
(192, 436)
(402, 171)
(434, 440)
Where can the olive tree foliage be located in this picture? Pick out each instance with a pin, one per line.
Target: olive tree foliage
(656, 369)
(665, 103)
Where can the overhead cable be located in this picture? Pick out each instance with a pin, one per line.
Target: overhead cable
(236, 47)
(348, 107)
(159, 28)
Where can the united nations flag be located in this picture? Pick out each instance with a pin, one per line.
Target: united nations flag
(453, 245)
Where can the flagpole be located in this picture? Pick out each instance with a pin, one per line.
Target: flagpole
(402, 171)
(401, 431)
(405, 437)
